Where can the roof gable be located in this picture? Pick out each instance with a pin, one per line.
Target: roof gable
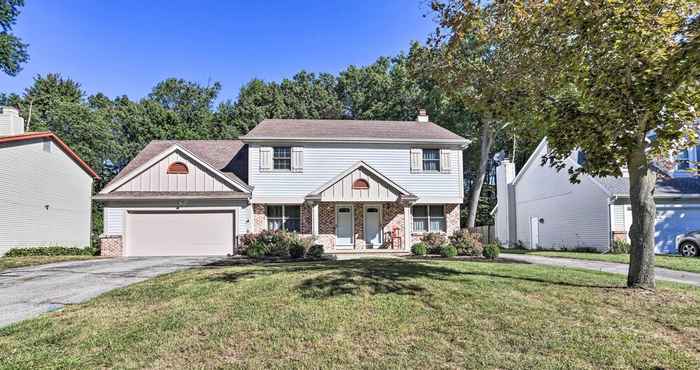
(51, 136)
(341, 187)
(203, 170)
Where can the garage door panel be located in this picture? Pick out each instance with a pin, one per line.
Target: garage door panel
(181, 233)
(673, 221)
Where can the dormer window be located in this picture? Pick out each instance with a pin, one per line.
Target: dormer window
(431, 160)
(282, 158)
(178, 168)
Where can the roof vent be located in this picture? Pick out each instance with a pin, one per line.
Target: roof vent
(10, 122)
(422, 116)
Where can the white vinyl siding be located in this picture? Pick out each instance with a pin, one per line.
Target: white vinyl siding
(157, 178)
(342, 190)
(45, 198)
(323, 162)
(113, 221)
(574, 215)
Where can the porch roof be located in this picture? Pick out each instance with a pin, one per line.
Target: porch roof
(379, 188)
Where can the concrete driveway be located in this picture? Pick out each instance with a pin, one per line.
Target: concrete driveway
(27, 292)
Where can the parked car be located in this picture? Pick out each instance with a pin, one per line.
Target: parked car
(689, 244)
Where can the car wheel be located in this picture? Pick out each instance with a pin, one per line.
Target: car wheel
(688, 249)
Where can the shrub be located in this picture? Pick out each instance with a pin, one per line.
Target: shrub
(467, 243)
(491, 251)
(419, 249)
(274, 243)
(297, 250)
(620, 247)
(316, 251)
(256, 250)
(448, 251)
(51, 251)
(434, 241)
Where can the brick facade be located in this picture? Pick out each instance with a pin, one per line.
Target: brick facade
(619, 235)
(111, 246)
(393, 221)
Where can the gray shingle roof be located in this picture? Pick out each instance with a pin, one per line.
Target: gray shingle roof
(339, 130)
(228, 156)
(664, 187)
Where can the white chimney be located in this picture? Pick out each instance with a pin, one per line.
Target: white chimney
(505, 195)
(422, 116)
(10, 122)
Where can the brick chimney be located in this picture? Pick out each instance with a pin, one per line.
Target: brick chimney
(10, 122)
(422, 116)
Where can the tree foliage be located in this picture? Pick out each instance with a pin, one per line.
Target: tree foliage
(13, 52)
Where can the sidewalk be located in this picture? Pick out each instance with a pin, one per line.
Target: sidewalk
(612, 267)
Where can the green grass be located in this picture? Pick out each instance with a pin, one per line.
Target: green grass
(11, 262)
(382, 313)
(690, 264)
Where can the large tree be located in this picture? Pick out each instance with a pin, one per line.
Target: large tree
(616, 79)
(466, 58)
(13, 52)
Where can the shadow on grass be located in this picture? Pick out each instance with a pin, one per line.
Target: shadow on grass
(326, 279)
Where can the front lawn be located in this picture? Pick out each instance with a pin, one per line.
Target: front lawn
(11, 262)
(690, 264)
(382, 313)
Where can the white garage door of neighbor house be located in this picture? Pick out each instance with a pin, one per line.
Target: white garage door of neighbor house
(673, 221)
(179, 233)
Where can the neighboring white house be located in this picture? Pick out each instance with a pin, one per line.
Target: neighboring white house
(541, 208)
(45, 189)
(353, 185)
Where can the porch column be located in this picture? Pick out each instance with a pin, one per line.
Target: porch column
(314, 219)
(407, 227)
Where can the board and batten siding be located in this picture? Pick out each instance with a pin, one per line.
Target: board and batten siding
(324, 161)
(343, 190)
(575, 215)
(156, 178)
(45, 197)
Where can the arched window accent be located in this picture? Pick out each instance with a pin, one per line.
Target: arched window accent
(178, 168)
(360, 184)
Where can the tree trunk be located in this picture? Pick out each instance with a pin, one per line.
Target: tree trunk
(642, 183)
(487, 133)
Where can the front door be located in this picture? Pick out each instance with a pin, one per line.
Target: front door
(373, 235)
(534, 232)
(344, 226)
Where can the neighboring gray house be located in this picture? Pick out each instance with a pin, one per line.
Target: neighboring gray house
(45, 189)
(540, 207)
(353, 185)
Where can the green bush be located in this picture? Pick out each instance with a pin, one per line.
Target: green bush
(448, 251)
(256, 250)
(620, 247)
(467, 243)
(491, 251)
(434, 241)
(297, 249)
(51, 251)
(316, 251)
(419, 249)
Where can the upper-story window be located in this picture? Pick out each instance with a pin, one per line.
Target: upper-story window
(683, 160)
(282, 158)
(431, 160)
(284, 217)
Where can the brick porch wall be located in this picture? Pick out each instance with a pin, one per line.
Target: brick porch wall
(259, 218)
(111, 246)
(326, 225)
(393, 219)
(619, 235)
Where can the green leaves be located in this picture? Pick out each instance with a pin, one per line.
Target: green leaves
(13, 52)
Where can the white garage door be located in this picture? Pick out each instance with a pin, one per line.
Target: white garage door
(673, 221)
(179, 233)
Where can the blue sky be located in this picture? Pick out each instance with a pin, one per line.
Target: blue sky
(126, 47)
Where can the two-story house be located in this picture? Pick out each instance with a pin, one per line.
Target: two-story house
(352, 185)
(540, 208)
